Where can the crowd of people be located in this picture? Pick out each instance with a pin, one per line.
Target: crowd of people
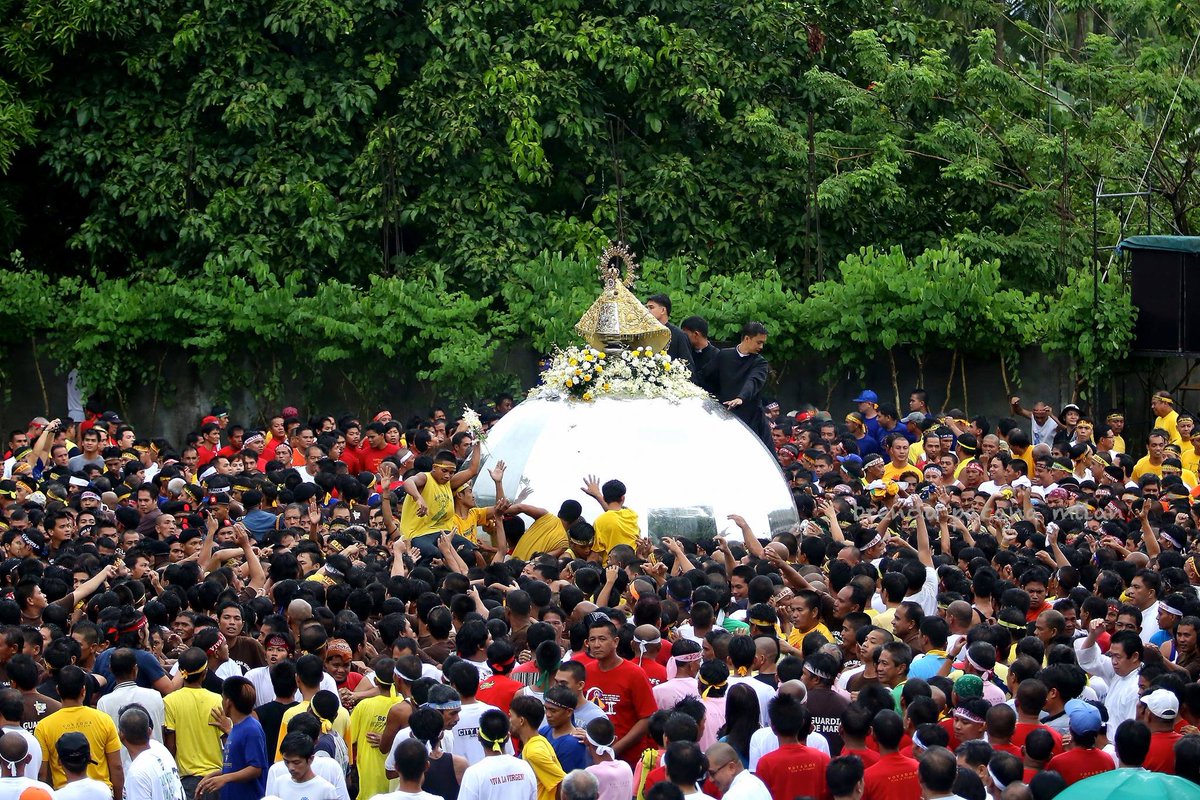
(975, 608)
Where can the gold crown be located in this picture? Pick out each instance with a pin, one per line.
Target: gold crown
(618, 320)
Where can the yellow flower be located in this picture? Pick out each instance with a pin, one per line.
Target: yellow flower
(602, 356)
(574, 362)
(587, 396)
(667, 366)
(599, 368)
(587, 377)
(578, 372)
(587, 357)
(608, 387)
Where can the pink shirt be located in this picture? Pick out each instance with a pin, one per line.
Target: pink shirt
(670, 692)
(615, 779)
(714, 720)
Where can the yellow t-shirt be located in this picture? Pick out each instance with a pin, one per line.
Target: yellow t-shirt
(466, 526)
(614, 528)
(884, 619)
(1119, 444)
(796, 638)
(197, 744)
(539, 754)
(101, 734)
(439, 497)
(546, 534)
(341, 726)
(369, 716)
(905, 473)
(1190, 460)
(1167, 423)
(916, 452)
(1144, 467)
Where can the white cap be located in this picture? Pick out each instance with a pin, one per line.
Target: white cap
(1162, 704)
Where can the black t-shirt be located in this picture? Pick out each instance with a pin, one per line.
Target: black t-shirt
(827, 708)
(270, 716)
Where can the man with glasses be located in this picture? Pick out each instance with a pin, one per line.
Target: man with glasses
(735, 781)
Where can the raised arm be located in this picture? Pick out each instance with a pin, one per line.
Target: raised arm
(591, 487)
(387, 475)
(924, 551)
(1018, 409)
(753, 546)
(1148, 536)
(829, 511)
(464, 475)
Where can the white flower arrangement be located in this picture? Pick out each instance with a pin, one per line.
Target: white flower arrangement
(585, 373)
(470, 418)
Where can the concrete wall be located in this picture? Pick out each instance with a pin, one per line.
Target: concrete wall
(186, 395)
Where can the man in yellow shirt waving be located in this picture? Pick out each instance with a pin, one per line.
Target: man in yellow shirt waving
(617, 524)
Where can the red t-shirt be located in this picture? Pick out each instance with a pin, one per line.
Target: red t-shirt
(656, 673)
(1029, 773)
(893, 777)
(1078, 763)
(369, 457)
(498, 691)
(659, 773)
(1008, 748)
(1161, 757)
(948, 724)
(796, 770)
(206, 454)
(869, 757)
(351, 459)
(1023, 730)
(624, 695)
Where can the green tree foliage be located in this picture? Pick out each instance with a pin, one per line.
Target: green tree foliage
(458, 165)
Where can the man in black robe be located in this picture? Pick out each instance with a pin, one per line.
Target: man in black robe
(737, 376)
(703, 351)
(680, 348)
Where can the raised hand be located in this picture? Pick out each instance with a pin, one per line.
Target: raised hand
(497, 472)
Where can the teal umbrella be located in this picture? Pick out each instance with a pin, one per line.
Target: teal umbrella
(1131, 784)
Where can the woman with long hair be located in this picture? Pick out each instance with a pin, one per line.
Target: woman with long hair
(742, 719)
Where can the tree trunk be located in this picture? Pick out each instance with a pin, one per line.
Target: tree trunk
(950, 379)
(895, 377)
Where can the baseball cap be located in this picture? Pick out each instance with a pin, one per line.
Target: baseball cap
(867, 396)
(853, 459)
(915, 417)
(1083, 717)
(74, 749)
(1162, 704)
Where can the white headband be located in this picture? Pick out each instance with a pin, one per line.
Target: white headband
(601, 749)
(1170, 609)
(995, 780)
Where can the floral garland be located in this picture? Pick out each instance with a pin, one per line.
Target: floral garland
(585, 373)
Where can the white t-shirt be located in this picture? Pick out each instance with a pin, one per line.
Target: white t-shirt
(261, 678)
(485, 671)
(86, 789)
(323, 765)
(315, 788)
(499, 778)
(35, 750)
(125, 694)
(153, 775)
(747, 786)
(765, 741)
(463, 738)
(11, 788)
(407, 796)
(765, 694)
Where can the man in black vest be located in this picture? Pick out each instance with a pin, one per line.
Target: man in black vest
(737, 375)
(703, 351)
(659, 305)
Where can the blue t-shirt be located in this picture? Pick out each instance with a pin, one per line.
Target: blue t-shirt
(246, 747)
(570, 751)
(148, 669)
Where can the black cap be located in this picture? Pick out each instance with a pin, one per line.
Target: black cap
(74, 750)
